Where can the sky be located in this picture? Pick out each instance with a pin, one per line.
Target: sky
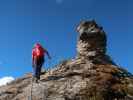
(53, 24)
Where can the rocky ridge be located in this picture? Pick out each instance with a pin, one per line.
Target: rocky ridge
(91, 75)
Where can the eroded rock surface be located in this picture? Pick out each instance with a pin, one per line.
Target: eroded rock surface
(91, 75)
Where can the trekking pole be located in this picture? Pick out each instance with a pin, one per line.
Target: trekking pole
(30, 97)
(31, 87)
(49, 65)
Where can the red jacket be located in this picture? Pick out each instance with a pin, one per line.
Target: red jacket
(38, 51)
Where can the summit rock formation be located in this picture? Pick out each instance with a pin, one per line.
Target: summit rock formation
(91, 75)
(92, 43)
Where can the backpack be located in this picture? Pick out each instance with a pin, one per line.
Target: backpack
(38, 52)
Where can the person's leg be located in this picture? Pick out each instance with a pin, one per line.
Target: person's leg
(40, 67)
(34, 68)
(39, 71)
(34, 72)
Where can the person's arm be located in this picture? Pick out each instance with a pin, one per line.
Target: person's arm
(48, 54)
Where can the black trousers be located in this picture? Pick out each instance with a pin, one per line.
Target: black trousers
(37, 66)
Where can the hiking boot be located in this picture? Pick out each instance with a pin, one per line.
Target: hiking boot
(36, 80)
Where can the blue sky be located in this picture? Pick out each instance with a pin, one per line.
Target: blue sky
(53, 23)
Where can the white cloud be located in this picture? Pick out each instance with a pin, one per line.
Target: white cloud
(59, 1)
(5, 80)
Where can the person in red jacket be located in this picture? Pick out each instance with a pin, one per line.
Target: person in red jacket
(38, 53)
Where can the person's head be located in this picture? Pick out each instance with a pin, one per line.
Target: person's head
(37, 45)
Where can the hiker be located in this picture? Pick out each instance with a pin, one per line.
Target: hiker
(38, 53)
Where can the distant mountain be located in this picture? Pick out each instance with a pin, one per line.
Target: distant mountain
(91, 75)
